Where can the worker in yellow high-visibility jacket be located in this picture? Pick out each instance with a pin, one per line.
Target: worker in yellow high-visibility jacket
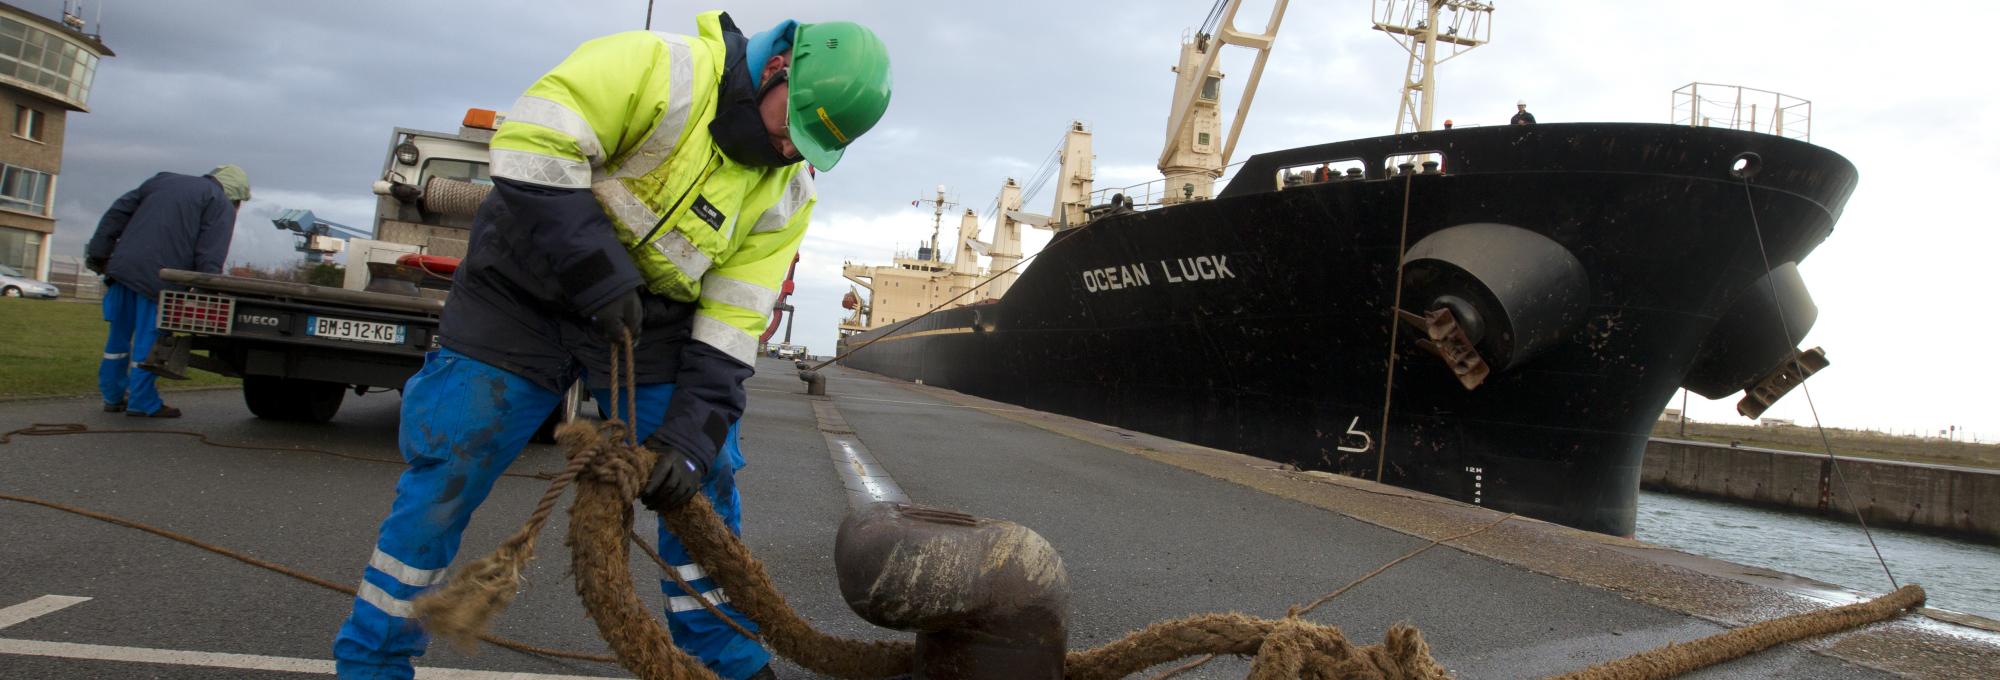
(648, 185)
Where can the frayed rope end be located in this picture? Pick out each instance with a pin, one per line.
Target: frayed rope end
(461, 611)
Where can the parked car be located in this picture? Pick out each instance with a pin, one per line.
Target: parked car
(15, 284)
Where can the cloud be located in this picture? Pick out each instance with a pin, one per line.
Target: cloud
(305, 95)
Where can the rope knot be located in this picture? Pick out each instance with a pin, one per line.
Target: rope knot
(603, 456)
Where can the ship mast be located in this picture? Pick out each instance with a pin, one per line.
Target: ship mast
(1419, 25)
(938, 204)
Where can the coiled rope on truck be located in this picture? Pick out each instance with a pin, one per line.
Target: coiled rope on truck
(453, 197)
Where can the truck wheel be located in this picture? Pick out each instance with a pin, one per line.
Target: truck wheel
(564, 413)
(275, 398)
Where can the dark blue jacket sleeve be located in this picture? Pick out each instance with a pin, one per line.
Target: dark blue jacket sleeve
(708, 397)
(218, 227)
(569, 228)
(112, 226)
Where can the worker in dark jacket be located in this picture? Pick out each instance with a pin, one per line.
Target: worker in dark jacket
(650, 186)
(171, 221)
(1521, 115)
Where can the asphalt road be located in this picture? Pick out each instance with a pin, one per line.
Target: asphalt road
(1142, 542)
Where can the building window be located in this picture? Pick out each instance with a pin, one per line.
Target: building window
(452, 168)
(28, 123)
(25, 190)
(20, 249)
(36, 57)
(1211, 88)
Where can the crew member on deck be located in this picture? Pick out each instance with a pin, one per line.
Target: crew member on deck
(1521, 115)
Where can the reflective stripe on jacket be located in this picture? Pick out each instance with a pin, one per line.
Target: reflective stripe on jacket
(700, 227)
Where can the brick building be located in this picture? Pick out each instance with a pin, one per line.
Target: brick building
(46, 67)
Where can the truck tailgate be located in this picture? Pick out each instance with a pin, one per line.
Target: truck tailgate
(301, 292)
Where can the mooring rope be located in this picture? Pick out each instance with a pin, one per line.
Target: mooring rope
(1784, 326)
(279, 568)
(608, 467)
(611, 470)
(1676, 659)
(899, 325)
(1298, 610)
(64, 429)
(1395, 324)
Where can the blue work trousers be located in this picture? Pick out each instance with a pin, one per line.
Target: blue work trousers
(463, 423)
(134, 322)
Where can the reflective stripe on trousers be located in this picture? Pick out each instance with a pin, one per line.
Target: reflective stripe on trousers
(134, 320)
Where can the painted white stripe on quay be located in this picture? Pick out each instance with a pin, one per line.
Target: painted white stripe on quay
(71, 650)
(37, 607)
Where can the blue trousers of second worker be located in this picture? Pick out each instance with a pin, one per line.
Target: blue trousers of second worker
(134, 326)
(708, 638)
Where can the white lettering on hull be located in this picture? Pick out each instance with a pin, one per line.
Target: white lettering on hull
(1180, 270)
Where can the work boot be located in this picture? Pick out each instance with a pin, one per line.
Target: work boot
(114, 408)
(164, 412)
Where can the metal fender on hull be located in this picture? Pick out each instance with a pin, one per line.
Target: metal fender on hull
(1749, 338)
(1514, 292)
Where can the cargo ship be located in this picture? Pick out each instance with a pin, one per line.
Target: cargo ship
(1492, 314)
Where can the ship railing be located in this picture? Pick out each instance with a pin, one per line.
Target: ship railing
(1742, 108)
(1155, 193)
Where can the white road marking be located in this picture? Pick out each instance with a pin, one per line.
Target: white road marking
(37, 607)
(857, 463)
(70, 650)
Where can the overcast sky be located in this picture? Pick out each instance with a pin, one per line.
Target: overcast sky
(304, 95)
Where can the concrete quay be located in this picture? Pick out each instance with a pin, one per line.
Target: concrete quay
(1149, 529)
(1942, 499)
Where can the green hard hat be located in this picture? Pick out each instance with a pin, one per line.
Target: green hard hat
(839, 88)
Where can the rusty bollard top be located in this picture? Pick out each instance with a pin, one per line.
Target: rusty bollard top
(952, 577)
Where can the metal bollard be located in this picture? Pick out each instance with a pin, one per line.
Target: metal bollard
(988, 599)
(815, 383)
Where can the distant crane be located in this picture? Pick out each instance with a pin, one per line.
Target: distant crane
(318, 237)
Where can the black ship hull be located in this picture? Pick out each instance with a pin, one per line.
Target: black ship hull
(1595, 267)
